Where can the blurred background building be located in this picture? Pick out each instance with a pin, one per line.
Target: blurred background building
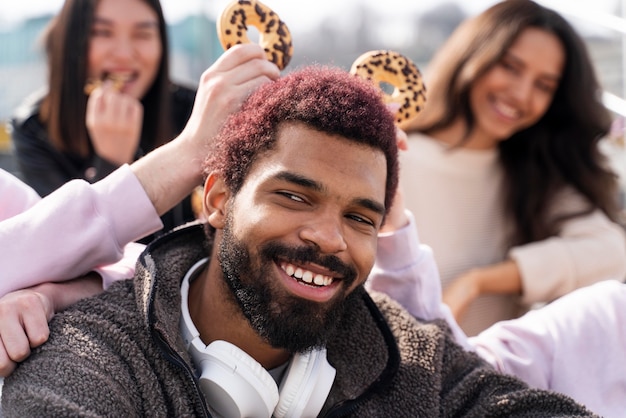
(336, 34)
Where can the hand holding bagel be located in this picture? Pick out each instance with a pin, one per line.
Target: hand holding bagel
(383, 66)
(116, 80)
(378, 66)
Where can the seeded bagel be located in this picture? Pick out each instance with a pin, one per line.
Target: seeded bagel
(409, 91)
(274, 36)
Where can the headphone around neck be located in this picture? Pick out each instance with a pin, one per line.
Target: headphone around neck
(235, 385)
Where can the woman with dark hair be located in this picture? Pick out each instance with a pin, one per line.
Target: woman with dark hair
(109, 99)
(504, 173)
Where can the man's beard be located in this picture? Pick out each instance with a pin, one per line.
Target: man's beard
(282, 319)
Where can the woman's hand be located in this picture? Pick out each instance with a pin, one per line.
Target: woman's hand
(396, 218)
(25, 315)
(114, 123)
(222, 89)
(224, 86)
(460, 294)
(500, 278)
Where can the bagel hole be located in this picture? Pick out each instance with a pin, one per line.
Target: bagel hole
(387, 88)
(253, 34)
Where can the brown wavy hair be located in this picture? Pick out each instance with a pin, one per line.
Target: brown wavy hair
(64, 107)
(561, 149)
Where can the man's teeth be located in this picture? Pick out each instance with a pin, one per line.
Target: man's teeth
(306, 276)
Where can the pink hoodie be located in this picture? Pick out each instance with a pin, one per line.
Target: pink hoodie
(575, 345)
(75, 228)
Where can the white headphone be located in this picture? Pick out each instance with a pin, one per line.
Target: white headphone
(236, 385)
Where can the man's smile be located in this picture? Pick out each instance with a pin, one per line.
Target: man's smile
(307, 276)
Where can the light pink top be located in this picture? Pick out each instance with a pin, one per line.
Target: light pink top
(405, 269)
(574, 345)
(75, 228)
(456, 198)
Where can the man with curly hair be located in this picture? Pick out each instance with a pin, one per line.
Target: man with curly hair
(262, 311)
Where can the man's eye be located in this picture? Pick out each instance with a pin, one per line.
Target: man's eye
(361, 219)
(291, 196)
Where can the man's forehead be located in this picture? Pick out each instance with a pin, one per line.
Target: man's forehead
(319, 160)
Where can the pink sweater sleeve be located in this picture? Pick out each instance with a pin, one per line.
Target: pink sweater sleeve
(405, 269)
(75, 229)
(574, 345)
(15, 196)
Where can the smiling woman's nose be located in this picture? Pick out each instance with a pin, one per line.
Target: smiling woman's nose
(523, 90)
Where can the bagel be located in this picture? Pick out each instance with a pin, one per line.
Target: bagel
(274, 36)
(409, 91)
(118, 83)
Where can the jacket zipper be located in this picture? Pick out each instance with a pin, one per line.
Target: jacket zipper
(174, 358)
(348, 407)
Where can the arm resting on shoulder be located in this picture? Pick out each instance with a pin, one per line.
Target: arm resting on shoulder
(406, 271)
(574, 345)
(15, 195)
(73, 238)
(101, 218)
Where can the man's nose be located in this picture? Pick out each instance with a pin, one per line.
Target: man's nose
(326, 233)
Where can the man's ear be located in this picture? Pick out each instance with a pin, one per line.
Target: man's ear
(216, 195)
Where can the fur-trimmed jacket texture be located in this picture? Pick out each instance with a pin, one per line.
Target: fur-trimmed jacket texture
(121, 354)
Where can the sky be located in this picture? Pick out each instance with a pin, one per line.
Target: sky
(305, 15)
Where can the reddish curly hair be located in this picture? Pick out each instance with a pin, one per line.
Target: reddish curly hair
(324, 98)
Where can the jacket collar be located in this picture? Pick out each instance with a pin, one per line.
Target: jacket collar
(365, 354)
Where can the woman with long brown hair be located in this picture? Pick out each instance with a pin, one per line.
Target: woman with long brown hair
(109, 99)
(504, 173)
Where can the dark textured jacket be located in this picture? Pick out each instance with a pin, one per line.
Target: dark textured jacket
(120, 355)
(45, 168)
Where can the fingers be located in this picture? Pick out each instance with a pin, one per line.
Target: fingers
(114, 121)
(239, 54)
(24, 325)
(243, 67)
(393, 107)
(225, 85)
(401, 136)
(402, 139)
(6, 364)
(458, 296)
(106, 105)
